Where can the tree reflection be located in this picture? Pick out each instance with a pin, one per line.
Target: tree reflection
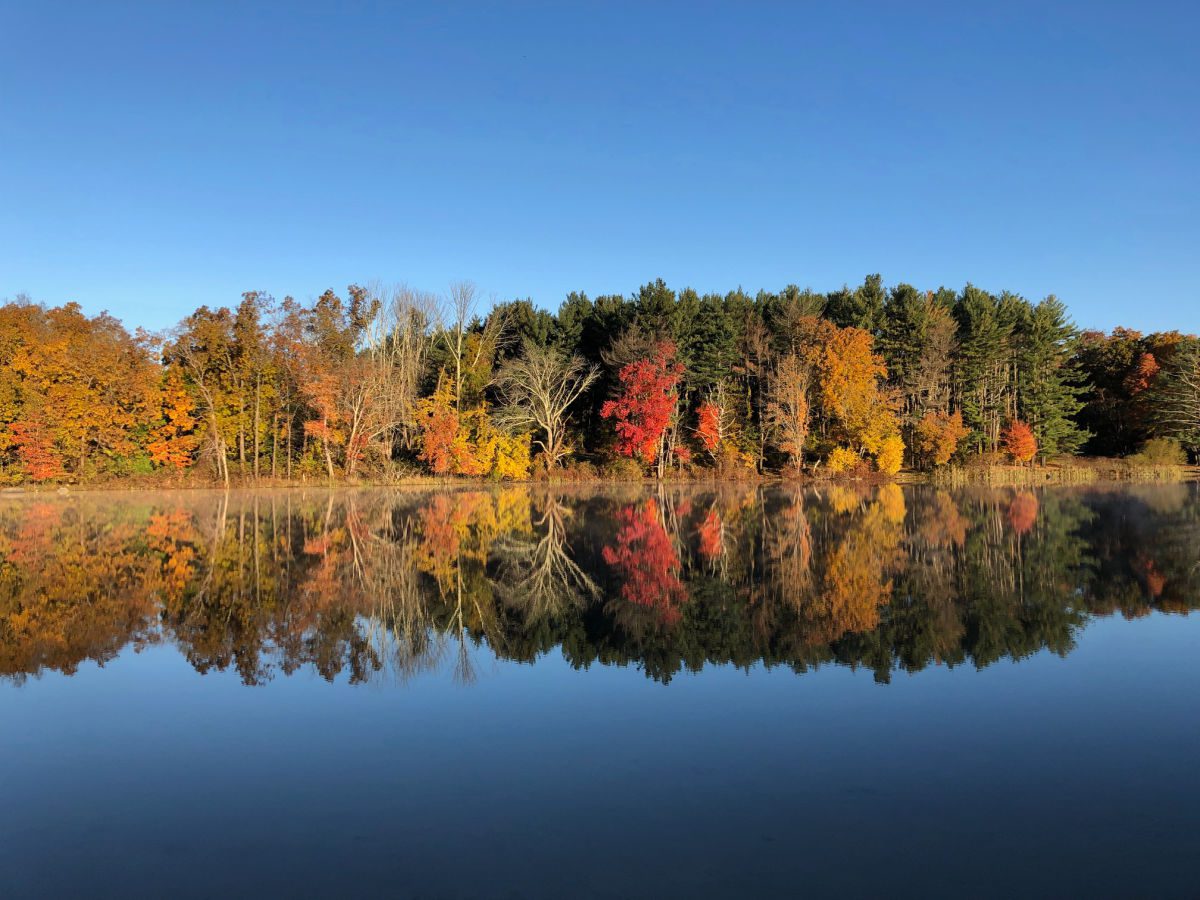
(363, 585)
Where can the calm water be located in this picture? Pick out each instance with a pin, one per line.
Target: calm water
(529, 693)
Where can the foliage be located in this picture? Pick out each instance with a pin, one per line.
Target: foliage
(1160, 452)
(1019, 441)
(708, 426)
(645, 402)
(890, 456)
(937, 435)
(382, 381)
(842, 459)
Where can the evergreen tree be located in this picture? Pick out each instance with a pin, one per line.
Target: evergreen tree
(1049, 392)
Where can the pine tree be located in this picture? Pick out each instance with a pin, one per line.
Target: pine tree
(1049, 393)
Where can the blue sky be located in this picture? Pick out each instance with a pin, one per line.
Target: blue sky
(155, 157)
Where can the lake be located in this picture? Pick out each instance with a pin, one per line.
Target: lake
(529, 692)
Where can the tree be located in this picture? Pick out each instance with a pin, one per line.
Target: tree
(937, 435)
(788, 408)
(538, 389)
(1048, 394)
(445, 440)
(173, 440)
(709, 426)
(851, 379)
(1019, 441)
(644, 405)
(1176, 396)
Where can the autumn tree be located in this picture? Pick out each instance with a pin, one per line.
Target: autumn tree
(853, 398)
(788, 409)
(644, 405)
(173, 439)
(937, 435)
(1019, 441)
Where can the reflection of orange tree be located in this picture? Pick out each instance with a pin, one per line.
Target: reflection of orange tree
(1023, 512)
(71, 588)
(645, 558)
(711, 535)
(855, 582)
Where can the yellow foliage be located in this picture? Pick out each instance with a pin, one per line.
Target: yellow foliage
(842, 459)
(501, 455)
(891, 503)
(890, 455)
(843, 500)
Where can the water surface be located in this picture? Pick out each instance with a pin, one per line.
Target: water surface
(527, 692)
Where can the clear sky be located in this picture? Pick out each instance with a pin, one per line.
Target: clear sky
(155, 157)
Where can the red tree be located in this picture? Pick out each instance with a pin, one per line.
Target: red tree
(708, 425)
(644, 405)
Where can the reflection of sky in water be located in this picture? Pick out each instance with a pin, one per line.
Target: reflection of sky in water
(1055, 775)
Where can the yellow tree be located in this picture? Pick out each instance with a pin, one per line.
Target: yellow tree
(862, 415)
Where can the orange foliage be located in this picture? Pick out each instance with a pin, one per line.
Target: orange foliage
(1019, 441)
(36, 450)
(937, 435)
(173, 442)
(1023, 512)
(643, 407)
(708, 425)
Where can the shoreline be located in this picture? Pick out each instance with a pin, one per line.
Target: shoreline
(1099, 471)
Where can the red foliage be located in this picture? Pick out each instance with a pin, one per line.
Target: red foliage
(710, 533)
(1019, 441)
(36, 450)
(440, 429)
(647, 562)
(708, 425)
(643, 408)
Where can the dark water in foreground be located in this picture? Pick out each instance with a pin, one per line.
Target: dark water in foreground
(524, 693)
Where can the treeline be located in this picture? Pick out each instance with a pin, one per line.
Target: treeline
(383, 383)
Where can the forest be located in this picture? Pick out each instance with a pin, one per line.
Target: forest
(386, 383)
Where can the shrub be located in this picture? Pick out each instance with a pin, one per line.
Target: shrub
(1160, 451)
(623, 468)
(842, 459)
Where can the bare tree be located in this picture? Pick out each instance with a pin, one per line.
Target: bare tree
(537, 389)
(787, 410)
(397, 346)
(1176, 395)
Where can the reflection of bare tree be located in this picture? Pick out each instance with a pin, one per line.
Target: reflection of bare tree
(383, 566)
(535, 573)
(788, 545)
